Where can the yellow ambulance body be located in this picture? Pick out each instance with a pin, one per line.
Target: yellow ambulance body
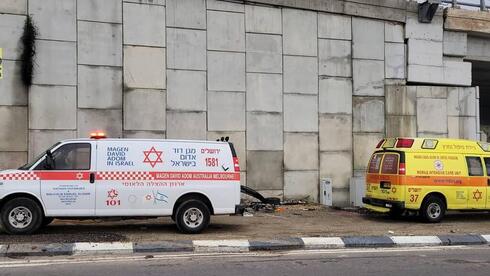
(429, 175)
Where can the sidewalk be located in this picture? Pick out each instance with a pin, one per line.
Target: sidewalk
(296, 227)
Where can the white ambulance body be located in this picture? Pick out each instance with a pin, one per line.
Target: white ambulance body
(188, 180)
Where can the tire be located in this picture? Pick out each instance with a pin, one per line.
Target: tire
(192, 216)
(46, 221)
(21, 216)
(433, 209)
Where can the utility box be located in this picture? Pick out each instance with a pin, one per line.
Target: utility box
(326, 191)
(357, 190)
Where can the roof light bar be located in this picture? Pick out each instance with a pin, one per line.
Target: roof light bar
(97, 135)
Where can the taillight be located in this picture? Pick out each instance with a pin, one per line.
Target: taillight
(402, 169)
(404, 143)
(236, 165)
(380, 143)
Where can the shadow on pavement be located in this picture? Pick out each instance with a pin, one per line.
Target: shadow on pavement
(69, 231)
(451, 217)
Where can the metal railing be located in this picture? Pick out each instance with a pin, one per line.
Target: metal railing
(468, 3)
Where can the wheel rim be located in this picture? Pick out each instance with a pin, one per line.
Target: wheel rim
(434, 210)
(20, 217)
(193, 217)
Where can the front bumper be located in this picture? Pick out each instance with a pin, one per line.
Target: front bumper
(383, 203)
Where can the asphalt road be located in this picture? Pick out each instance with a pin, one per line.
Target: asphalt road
(395, 261)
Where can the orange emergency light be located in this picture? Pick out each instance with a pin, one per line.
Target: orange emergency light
(97, 135)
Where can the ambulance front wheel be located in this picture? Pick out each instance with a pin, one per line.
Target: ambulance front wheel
(21, 216)
(192, 216)
(433, 209)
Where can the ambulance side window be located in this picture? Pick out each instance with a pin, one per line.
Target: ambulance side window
(487, 164)
(70, 157)
(475, 167)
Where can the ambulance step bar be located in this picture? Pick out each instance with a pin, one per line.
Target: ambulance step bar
(253, 193)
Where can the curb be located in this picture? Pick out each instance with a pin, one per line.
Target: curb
(237, 246)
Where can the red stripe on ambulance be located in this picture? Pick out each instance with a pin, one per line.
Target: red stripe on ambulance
(122, 175)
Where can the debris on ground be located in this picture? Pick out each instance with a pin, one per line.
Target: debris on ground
(294, 202)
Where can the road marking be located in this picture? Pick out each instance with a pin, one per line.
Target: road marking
(486, 237)
(102, 248)
(328, 242)
(416, 240)
(221, 245)
(80, 259)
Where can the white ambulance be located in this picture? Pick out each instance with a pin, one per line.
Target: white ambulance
(99, 177)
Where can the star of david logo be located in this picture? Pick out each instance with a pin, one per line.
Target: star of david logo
(477, 195)
(79, 176)
(153, 157)
(112, 193)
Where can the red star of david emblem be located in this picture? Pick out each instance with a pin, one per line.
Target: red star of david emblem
(79, 176)
(112, 193)
(477, 195)
(153, 157)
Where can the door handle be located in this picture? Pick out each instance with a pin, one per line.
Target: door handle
(92, 177)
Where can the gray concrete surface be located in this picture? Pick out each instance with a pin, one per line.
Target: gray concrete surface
(417, 261)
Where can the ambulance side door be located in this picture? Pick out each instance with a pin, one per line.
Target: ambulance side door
(67, 184)
(486, 160)
(477, 191)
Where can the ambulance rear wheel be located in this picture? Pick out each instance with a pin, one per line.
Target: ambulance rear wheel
(192, 216)
(21, 216)
(433, 209)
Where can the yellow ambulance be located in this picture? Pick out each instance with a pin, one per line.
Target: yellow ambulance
(428, 175)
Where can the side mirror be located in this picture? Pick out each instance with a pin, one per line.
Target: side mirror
(49, 164)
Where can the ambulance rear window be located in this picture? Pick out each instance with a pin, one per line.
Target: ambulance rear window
(375, 163)
(390, 164)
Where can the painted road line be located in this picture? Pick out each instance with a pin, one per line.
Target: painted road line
(368, 241)
(221, 245)
(283, 244)
(319, 243)
(3, 250)
(80, 259)
(163, 246)
(103, 248)
(462, 239)
(486, 237)
(416, 240)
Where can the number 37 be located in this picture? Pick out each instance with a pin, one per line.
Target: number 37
(413, 198)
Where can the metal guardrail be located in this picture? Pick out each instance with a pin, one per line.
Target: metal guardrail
(455, 3)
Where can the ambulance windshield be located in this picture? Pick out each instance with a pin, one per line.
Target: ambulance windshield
(34, 161)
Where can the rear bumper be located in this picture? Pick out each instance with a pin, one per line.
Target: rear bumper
(239, 209)
(383, 203)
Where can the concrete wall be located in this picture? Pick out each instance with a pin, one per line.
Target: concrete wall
(303, 93)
